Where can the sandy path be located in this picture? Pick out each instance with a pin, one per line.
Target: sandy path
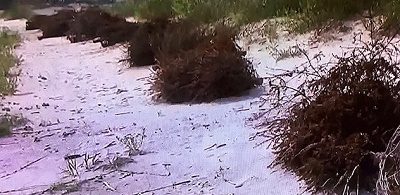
(78, 99)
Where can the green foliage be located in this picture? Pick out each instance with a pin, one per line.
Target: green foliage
(6, 4)
(8, 122)
(153, 9)
(303, 15)
(17, 11)
(125, 8)
(5, 127)
(391, 10)
(315, 13)
(7, 60)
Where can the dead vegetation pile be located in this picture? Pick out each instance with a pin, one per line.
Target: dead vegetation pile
(146, 41)
(139, 50)
(95, 23)
(90, 24)
(55, 25)
(199, 64)
(336, 126)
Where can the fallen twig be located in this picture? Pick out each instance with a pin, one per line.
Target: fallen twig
(210, 147)
(243, 109)
(21, 189)
(23, 167)
(163, 187)
(22, 94)
(109, 186)
(27, 132)
(122, 113)
(6, 144)
(100, 177)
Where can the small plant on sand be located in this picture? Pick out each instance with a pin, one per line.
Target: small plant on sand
(89, 161)
(8, 122)
(64, 188)
(72, 165)
(132, 143)
(282, 54)
(333, 128)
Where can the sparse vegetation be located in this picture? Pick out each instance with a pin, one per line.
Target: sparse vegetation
(285, 53)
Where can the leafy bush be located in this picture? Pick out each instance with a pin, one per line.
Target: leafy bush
(332, 126)
(201, 64)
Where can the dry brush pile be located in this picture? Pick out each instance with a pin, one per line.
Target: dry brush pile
(90, 24)
(198, 63)
(52, 26)
(146, 41)
(334, 129)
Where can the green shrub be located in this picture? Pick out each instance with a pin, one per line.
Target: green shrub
(206, 11)
(391, 11)
(314, 14)
(5, 127)
(124, 8)
(303, 14)
(18, 11)
(7, 60)
(153, 9)
(6, 4)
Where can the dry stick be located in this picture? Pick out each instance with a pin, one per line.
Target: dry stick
(21, 189)
(23, 167)
(6, 144)
(160, 188)
(122, 113)
(22, 94)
